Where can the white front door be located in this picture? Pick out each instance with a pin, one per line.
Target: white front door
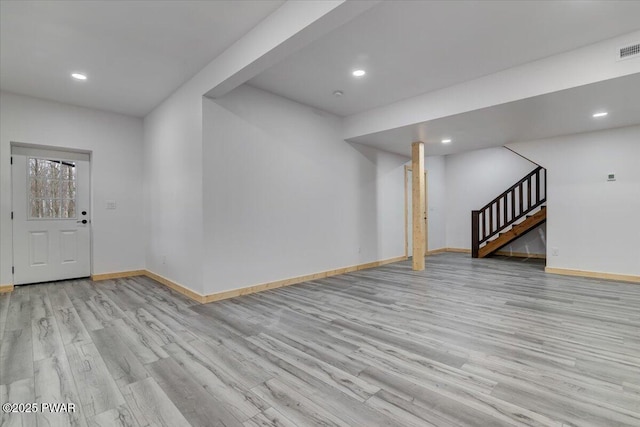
(51, 217)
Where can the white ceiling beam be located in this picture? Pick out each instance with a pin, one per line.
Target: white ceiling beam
(291, 27)
(590, 64)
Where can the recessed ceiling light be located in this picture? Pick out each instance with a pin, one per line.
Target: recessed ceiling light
(79, 76)
(601, 114)
(359, 73)
(446, 141)
(338, 93)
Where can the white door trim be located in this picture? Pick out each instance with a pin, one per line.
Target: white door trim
(53, 152)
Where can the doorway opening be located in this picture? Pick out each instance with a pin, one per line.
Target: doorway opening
(51, 214)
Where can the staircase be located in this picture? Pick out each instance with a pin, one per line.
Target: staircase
(518, 210)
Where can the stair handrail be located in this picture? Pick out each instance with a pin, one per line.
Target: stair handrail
(479, 217)
(513, 187)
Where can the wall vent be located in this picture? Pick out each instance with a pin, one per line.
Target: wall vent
(628, 52)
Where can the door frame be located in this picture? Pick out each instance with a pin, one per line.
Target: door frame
(407, 169)
(62, 150)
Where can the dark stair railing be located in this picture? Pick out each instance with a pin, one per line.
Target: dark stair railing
(520, 199)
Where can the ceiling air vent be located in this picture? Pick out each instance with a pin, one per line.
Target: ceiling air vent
(628, 52)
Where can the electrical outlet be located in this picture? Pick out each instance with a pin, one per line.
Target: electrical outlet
(111, 204)
(555, 251)
(164, 260)
(359, 249)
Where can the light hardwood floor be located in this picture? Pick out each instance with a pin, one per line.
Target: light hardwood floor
(482, 342)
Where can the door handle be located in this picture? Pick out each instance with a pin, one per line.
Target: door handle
(84, 221)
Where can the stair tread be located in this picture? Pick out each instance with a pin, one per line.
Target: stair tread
(508, 235)
(511, 226)
(517, 225)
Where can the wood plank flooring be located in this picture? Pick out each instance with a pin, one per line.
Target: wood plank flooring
(491, 342)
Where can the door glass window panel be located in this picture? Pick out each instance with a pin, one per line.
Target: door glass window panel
(35, 208)
(39, 188)
(52, 190)
(37, 168)
(52, 185)
(42, 208)
(53, 169)
(68, 190)
(68, 208)
(55, 208)
(68, 171)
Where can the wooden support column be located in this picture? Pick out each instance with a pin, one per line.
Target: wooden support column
(418, 204)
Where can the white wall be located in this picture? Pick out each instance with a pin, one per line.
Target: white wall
(592, 222)
(473, 179)
(436, 192)
(116, 144)
(173, 188)
(285, 196)
(173, 135)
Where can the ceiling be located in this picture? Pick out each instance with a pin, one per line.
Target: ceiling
(559, 113)
(413, 47)
(135, 53)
